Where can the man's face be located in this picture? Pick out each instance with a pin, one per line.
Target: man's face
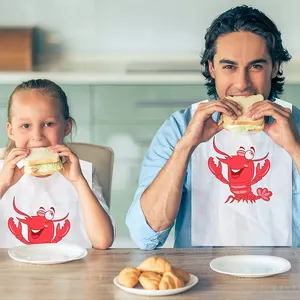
(242, 65)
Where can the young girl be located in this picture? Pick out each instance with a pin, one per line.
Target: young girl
(67, 206)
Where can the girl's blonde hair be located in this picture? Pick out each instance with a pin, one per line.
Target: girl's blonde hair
(45, 86)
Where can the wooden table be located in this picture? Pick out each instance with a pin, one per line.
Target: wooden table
(92, 277)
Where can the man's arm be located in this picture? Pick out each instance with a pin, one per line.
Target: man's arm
(158, 155)
(161, 200)
(159, 194)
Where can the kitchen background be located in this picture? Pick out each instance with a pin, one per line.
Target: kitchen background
(125, 66)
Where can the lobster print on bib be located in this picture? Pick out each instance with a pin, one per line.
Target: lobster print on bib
(41, 228)
(43, 210)
(241, 191)
(241, 174)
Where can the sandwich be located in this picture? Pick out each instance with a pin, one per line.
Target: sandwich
(41, 162)
(242, 123)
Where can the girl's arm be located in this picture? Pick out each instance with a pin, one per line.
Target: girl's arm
(97, 222)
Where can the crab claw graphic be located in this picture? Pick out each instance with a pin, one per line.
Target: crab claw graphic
(215, 169)
(61, 231)
(16, 230)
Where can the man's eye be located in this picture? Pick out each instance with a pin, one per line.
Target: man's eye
(229, 67)
(257, 67)
(26, 126)
(48, 124)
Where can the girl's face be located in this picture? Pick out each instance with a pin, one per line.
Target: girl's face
(36, 120)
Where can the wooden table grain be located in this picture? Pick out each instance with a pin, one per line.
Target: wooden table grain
(92, 277)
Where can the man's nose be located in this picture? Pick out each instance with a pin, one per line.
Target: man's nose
(243, 81)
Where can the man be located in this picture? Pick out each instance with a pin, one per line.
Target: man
(243, 56)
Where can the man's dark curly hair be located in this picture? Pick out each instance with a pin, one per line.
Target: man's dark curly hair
(249, 19)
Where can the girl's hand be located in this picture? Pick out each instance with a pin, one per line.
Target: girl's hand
(10, 173)
(71, 170)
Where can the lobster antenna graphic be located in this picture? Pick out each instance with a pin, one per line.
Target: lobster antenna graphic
(61, 218)
(17, 210)
(259, 159)
(217, 150)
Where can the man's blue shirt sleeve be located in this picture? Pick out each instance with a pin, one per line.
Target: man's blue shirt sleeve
(157, 155)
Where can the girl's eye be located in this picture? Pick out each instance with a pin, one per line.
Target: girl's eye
(48, 124)
(26, 126)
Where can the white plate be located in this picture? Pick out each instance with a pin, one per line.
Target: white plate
(250, 265)
(47, 253)
(140, 291)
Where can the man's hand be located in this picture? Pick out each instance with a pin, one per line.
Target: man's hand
(283, 130)
(202, 127)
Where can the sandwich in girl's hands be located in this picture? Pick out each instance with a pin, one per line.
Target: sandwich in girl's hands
(41, 162)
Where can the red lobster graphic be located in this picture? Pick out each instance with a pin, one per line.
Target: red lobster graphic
(241, 174)
(40, 227)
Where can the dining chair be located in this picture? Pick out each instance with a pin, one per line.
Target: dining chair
(102, 159)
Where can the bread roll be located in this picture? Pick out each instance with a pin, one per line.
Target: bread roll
(129, 277)
(150, 280)
(170, 281)
(155, 264)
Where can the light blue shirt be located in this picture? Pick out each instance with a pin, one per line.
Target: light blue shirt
(157, 155)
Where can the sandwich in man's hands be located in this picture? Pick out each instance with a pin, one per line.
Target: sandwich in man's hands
(242, 123)
(41, 162)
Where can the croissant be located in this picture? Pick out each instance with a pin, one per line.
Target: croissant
(150, 280)
(170, 281)
(129, 277)
(155, 264)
